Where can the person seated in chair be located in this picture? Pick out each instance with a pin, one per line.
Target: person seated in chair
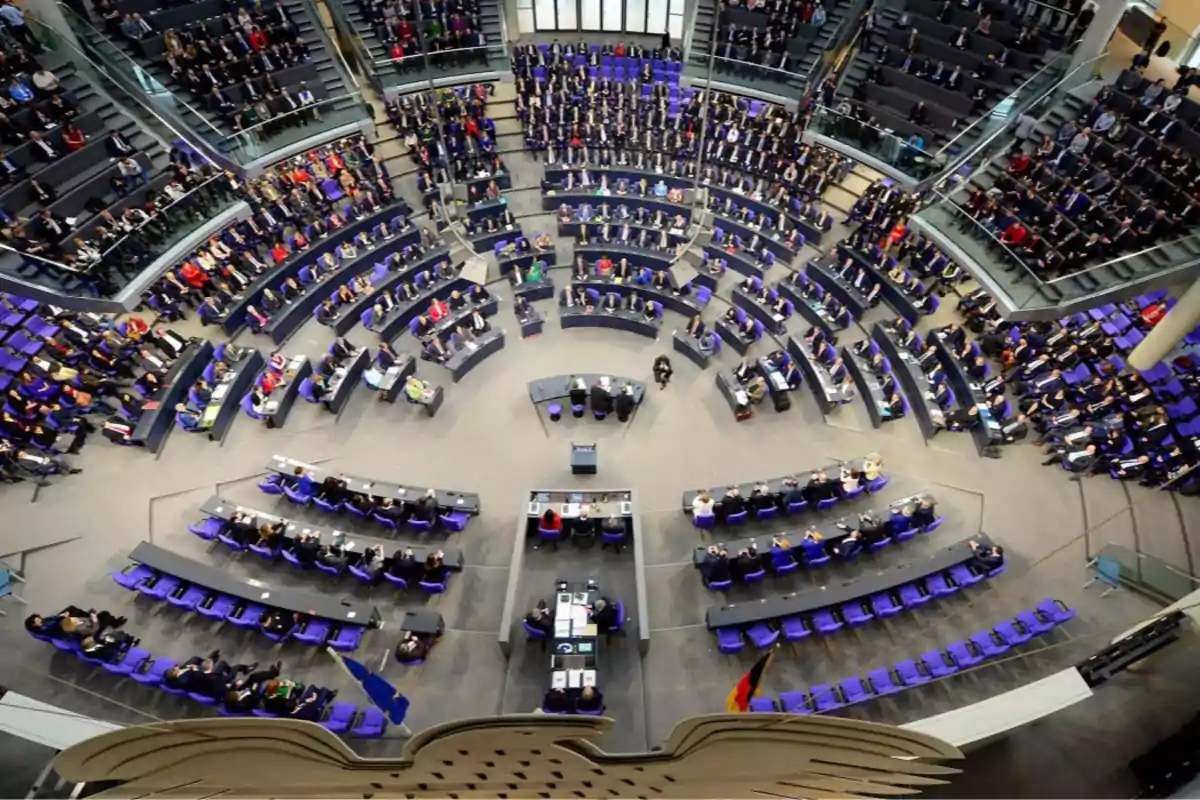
(435, 569)
(541, 617)
(109, 646)
(556, 701)
(747, 561)
(986, 559)
(332, 555)
(411, 647)
(389, 509)
(604, 615)
(590, 700)
(405, 566)
(850, 546)
(924, 513)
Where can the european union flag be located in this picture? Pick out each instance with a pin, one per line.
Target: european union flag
(393, 704)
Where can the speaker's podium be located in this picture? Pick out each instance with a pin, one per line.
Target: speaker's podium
(584, 459)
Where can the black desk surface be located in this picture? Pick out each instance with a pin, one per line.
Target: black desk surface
(559, 386)
(869, 386)
(812, 234)
(349, 314)
(771, 608)
(153, 425)
(968, 393)
(286, 598)
(632, 321)
(336, 400)
(236, 385)
(224, 510)
(636, 255)
(447, 499)
(830, 532)
(466, 359)
(775, 484)
(575, 198)
(892, 294)
(912, 379)
(670, 301)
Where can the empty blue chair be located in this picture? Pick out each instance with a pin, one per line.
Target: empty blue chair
(399, 583)
(762, 635)
(763, 704)
(964, 654)
(433, 588)
(825, 698)
(1034, 621)
(327, 569)
(885, 605)
(207, 529)
(270, 485)
(1056, 610)
(913, 673)
(827, 504)
(738, 518)
(247, 616)
(939, 586)
(795, 628)
(783, 561)
(454, 521)
(939, 664)
(796, 702)
(160, 588)
(419, 525)
(964, 576)
(133, 577)
(153, 675)
(190, 598)
(933, 526)
(729, 640)
(217, 607)
(913, 595)
(880, 683)
(346, 638)
(990, 643)
(372, 724)
(854, 690)
(764, 514)
(341, 717)
(825, 622)
(796, 508)
(856, 613)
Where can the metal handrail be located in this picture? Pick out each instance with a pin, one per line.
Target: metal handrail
(300, 110)
(880, 131)
(316, 15)
(946, 201)
(423, 54)
(65, 41)
(67, 10)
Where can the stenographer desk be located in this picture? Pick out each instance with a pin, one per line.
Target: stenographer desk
(558, 387)
(447, 499)
(337, 609)
(737, 615)
(622, 320)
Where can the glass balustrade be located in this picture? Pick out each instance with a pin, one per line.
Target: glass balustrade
(907, 155)
(90, 271)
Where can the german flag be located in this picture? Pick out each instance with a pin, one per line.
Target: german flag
(747, 688)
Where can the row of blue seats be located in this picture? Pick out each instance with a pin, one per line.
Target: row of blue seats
(454, 521)
(142, 667)
(932, 665)
(854, 613)
(235, 610)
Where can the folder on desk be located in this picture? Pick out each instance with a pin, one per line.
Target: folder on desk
(574, 679)
(562, 628)
(589, 677)
(558, 679)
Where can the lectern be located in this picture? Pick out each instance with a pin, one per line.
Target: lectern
(584, 459)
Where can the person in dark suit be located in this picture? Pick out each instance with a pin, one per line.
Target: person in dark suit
(602, 400)
(405, 566)
(604, 615)
(715, 568)
(425, 509)
(733, 502)
(624, 403)
(986, 559)
(850, 545)
(589, 700)
(541, 617)
(556, 701)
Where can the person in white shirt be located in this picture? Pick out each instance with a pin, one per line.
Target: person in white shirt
(702, 505)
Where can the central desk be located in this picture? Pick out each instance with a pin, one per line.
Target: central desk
(447, 499)
(559, 386)
(346, 610)
(773, 608)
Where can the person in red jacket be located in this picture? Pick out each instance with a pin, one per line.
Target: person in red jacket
(551, 521)
(193, 275)
(258, 40)
(1015, 234)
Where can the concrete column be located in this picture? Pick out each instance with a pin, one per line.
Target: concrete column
(1104, 25)
(1178, 323)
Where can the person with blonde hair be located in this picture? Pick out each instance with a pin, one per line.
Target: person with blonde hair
(872, 466)
(702, 504)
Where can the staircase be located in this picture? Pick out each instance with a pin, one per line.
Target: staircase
(831, 30)
(704, 31)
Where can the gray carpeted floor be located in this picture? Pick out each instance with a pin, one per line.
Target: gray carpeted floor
(488, 438)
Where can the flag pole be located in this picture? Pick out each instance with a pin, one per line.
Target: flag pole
(402, 729)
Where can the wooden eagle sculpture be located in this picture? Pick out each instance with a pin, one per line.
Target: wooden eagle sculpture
(514, 756)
